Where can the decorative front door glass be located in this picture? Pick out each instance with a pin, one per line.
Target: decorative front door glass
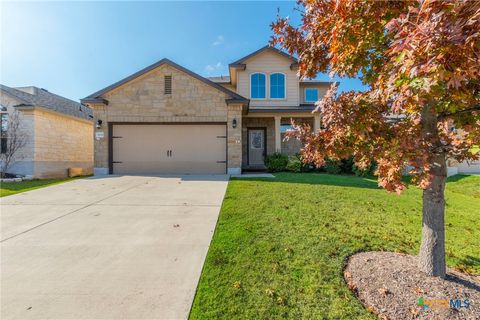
(256, 138)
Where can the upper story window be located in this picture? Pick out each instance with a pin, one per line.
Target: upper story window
(257, 86)
(311, 95)
(277, 86)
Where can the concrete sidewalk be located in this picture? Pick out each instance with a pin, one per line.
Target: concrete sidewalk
(126, 247)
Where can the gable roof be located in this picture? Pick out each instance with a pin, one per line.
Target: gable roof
(96, 97)
(220, 79)
(240, 63)
(43, 98)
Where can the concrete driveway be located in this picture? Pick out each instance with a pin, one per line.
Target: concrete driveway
(126, 247)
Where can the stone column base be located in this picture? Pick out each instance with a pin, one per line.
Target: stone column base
(100, 171)
(234, 170)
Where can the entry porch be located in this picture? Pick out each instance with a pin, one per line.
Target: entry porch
(264, 134)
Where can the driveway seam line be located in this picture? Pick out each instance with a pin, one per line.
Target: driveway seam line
(68, 213)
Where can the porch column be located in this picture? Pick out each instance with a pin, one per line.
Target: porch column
(316, 122)
(278, 135)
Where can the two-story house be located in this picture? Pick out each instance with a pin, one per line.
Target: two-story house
(166, 119)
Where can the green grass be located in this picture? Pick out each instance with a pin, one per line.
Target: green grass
(9, 188)
(280, 244)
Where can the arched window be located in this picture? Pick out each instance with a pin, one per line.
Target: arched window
(277, 86)
(257, 86)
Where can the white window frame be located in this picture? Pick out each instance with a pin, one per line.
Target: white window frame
(305, 94)
(266, 85)
(284, 87)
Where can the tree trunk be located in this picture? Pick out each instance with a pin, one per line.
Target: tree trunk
(432, 249)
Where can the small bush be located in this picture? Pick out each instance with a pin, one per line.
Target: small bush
(365, 172)
(276, 162)
(346, 166)
(295, 164)
(332, 166)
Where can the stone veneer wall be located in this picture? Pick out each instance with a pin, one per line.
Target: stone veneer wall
(269, 124)
(234, 142)
(55, 142)
(61, 142)
(143, 100)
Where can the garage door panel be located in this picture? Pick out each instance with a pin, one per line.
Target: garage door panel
(144, 149)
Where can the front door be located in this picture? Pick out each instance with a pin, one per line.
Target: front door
(256, 147)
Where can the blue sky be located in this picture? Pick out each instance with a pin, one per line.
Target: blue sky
(76, 48)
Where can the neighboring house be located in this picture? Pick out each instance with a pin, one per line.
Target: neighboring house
(59, 132)
(167, 119)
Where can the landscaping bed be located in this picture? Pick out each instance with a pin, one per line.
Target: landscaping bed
(390, 285)
(280, 245)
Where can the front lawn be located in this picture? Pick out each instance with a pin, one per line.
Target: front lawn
(280, 244)
(9, 188)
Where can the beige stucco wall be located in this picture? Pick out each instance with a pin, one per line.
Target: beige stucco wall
(143, 100)
(61, 142)
(269, 62)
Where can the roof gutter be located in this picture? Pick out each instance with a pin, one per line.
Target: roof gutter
(239, 66)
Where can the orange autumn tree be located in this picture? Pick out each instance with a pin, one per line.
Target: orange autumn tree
(420, 61)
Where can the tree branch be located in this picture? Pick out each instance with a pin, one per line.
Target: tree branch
(446, 115)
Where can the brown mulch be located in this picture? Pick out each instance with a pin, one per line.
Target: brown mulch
(390, 285)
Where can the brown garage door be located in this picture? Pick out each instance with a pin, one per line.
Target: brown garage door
(169, 149)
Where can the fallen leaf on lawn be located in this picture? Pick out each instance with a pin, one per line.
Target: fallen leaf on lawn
(281, 301)
(237, 284)
(414, 311)
(419, 291)
(352, 286)
(270, 292)
(383, 291)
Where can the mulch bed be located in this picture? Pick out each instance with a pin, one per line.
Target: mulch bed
(390, 285)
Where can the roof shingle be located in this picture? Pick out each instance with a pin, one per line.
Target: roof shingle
(37, 97)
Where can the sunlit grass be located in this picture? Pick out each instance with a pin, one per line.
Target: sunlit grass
(280, 244)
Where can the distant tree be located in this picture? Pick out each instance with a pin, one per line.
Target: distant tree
(421, 63)
(13, 138)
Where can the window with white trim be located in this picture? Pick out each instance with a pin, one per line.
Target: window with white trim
(311, 94)
(277, 86)
(258, 86)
